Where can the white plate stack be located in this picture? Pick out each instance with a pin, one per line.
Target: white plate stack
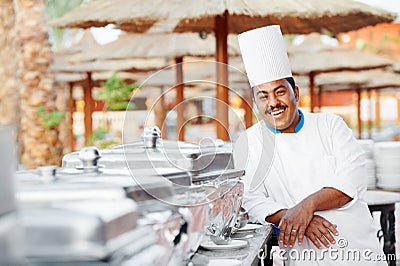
(387, 160)
(368, 147)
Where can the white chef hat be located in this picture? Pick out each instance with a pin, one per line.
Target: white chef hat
(264, 55)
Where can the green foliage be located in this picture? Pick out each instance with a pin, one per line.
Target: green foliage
(97, 134)
(49, 119)
(98, 139)
(107, 143)
(116, 94)
(56, 9)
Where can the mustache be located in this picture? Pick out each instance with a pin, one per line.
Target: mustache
(272, 108)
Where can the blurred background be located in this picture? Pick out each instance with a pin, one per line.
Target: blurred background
(72, 82)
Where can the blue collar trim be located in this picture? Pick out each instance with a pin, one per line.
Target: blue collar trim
(298, 127)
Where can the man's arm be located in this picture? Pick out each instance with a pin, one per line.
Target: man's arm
(319, 230)
(299, 216)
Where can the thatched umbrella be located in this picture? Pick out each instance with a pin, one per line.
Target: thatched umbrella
(148, 46)
(223, 17)
(313, 57)
(73, 73)
(87, 41)
(94, 72)
(133, 46)
(396, 67)
(358, 81)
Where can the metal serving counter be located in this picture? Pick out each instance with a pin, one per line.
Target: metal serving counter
(150, 202)
(249, 255)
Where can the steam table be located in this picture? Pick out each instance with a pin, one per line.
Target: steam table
(249, 255)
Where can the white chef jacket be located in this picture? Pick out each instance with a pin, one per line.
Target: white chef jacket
(283, 169)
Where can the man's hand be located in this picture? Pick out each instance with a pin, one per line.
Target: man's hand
(294, 224)
(320, 231)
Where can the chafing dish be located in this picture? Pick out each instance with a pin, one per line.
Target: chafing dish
(210, 166)
(150, 192)
(10, 231)
(79, 222)
(183, 191)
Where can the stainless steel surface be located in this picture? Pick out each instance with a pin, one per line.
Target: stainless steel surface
(36, 194)
(83, 230)
(243, 218)
(11, 252)
(7, 166)
(249, 255)
(143, 252)
(179, 188)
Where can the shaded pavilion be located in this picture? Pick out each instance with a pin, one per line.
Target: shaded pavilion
(223, 17)
(313, 57)
(148, 46)
(371, 80)
(89, 74)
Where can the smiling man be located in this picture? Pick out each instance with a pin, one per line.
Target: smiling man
(304, 172)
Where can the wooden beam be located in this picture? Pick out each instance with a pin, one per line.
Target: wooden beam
(180, 129)
(377, 111)
(312, 100)
(71, 109)
(370, 113)
(89, 104)
(359, 129)
(319, 99)
(222, 104)
(248, 109)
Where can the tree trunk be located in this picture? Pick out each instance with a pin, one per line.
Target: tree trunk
(8, 65)
(38, 145)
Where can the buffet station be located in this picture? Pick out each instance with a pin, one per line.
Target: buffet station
(149, 202)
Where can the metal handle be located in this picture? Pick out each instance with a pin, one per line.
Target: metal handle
(151, 136)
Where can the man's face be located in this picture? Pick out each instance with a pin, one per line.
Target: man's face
(277, 103)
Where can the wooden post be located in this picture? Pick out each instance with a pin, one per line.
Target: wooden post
(248, 109)
(180, 129)
(312, 103)
(319, 99)
(89, 103)
(377, 111)
(71, 109)
(163, 115)
(222, 104)
(359, 130)
(370, 114)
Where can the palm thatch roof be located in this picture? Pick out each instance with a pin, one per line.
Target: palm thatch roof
(96, 77)
(372, 79)
(86, 42)
(66, 72)
(294, 16)
(195, 72)
(396, 67)
(155, 45)
(109, 65)
(314, 56)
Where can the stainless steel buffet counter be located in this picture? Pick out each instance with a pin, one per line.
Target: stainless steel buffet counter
(151, 202)
(255, 249)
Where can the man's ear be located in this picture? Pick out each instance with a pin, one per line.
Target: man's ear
(296, 93)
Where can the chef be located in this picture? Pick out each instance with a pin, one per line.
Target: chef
(304, 171)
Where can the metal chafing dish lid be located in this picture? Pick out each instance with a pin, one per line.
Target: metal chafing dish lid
(153, 152)
(143, 187)
(82, 230)
(50, 192)
(138, 163)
